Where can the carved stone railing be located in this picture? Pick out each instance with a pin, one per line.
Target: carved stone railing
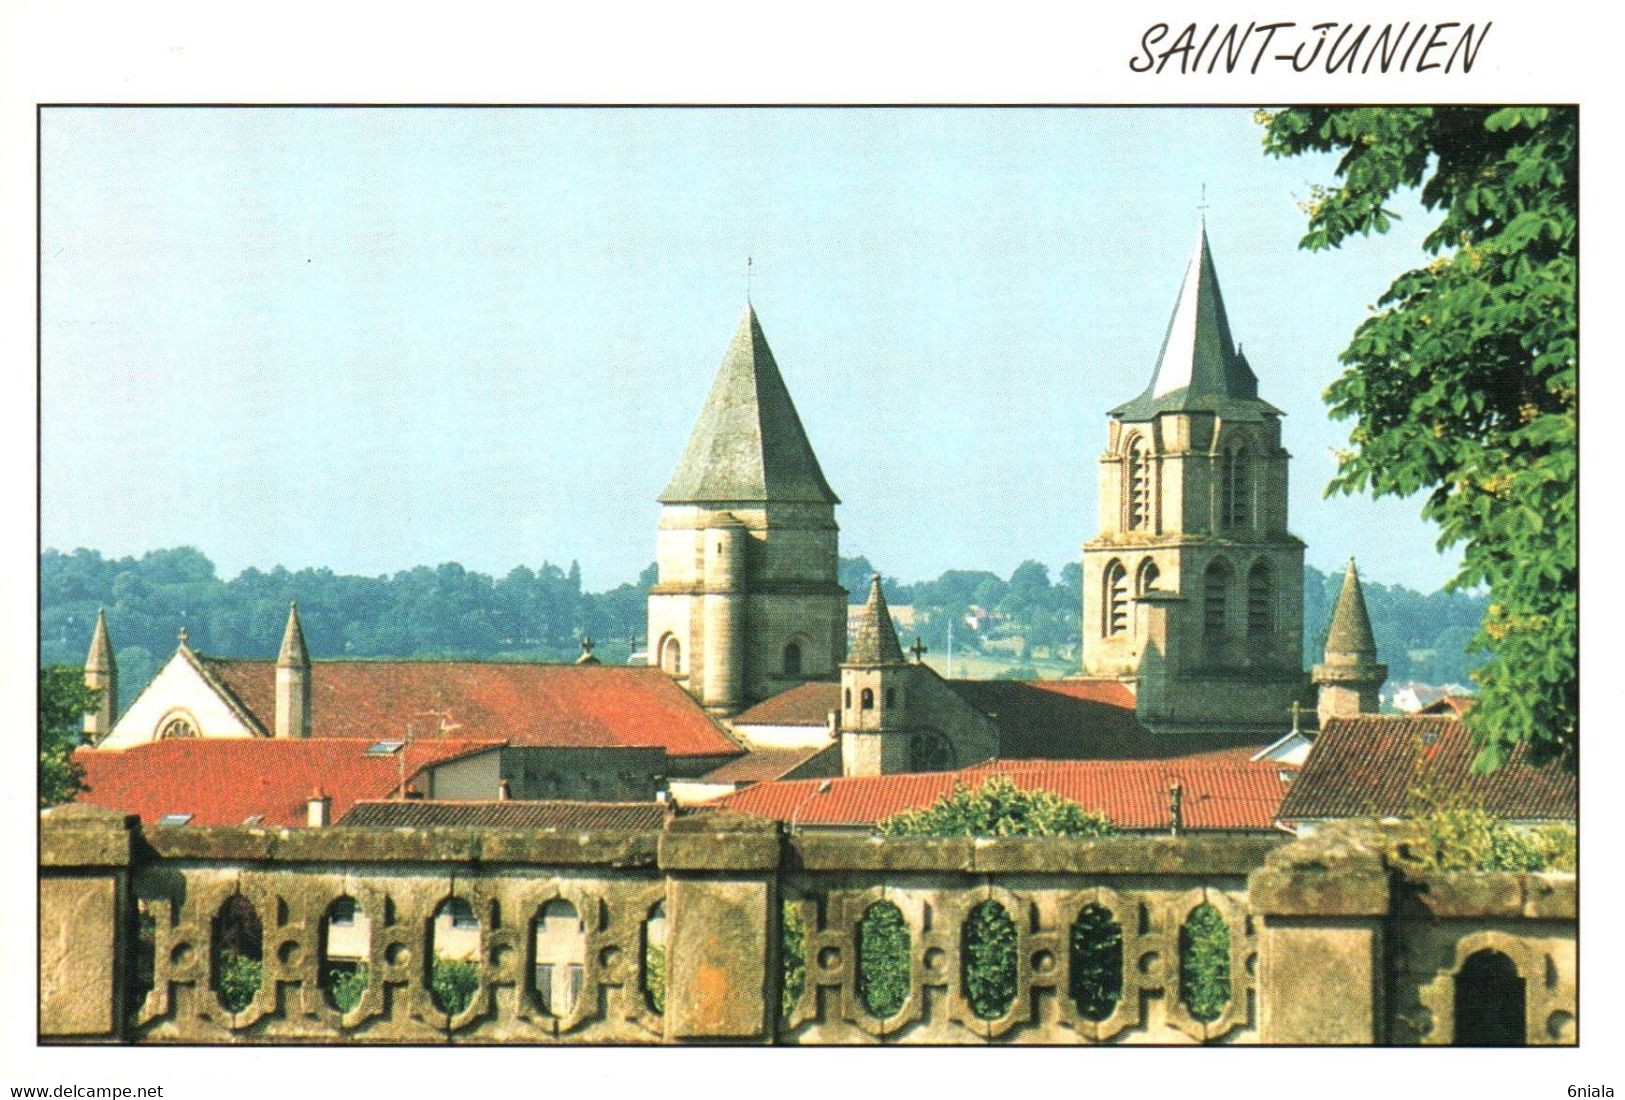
(131, 936)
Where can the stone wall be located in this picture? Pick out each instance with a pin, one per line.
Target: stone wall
(686, 935)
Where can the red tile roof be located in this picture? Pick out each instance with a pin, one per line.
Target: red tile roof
(1368, 766)
(1133, 793)
(224, 781)
(524, 704)
(1456, 705)
(763, 764)
(806, 704)
(570, 816)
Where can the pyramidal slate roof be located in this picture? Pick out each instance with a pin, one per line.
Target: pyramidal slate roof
(1199, 368)
(876, 643)
(748, 444)
(1350, 631)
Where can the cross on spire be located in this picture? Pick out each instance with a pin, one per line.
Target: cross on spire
(1203, 204)
(749, 273)
(919, 650)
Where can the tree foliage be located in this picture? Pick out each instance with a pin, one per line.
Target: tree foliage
(883, 966)
(989, 959)
(997, 807)
(453, 983)
(1204, 963)
(793, 957)
(1463, 383)
(64, 700)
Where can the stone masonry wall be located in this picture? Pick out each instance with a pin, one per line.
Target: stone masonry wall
(680, 936)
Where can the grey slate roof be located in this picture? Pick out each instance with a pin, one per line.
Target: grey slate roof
(748, 444)
(570, 816)
(1199, 368)
(1350, 631)
(876, 643)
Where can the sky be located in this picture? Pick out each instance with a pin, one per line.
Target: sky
(369, 339)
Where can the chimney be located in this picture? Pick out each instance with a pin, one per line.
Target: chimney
(319, 810)
(293, 681)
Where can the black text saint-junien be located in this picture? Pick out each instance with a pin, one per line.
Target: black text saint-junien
(1356, 48)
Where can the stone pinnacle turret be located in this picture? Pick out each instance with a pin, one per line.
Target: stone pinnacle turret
(1349, 678)
(293, 680)
(876, 643)
(101, 674)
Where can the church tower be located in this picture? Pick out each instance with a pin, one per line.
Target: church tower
(747, 603)
(1194, 586)
(101, 673)
(875, 695)
(1349, 679)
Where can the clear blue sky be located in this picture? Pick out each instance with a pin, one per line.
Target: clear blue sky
(372, 339)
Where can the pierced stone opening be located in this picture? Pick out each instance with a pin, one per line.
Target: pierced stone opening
(883, 951)
(561, 957)
(654, 957)
(1490, 1002)
(239, 942)
(345, 945)
(989, 960)
(1096, 979)
(454, 952)
(1204, 963)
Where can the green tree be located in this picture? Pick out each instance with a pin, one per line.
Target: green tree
(1463, 382)
(64, 701)
(999, 808)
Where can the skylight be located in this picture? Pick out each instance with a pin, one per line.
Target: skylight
(175, 819)
(384, 748)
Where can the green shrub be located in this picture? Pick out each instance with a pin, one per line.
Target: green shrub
(1204, 963)
(654, 975)
(999, 808)
(239, 980)
(346, 984)
(1467, 839)
(453, 983)
(1097, 963)
(989, 957)
(793, 956)
(883, 944)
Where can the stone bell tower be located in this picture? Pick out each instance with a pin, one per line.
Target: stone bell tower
(747, 603)
(1194, 586)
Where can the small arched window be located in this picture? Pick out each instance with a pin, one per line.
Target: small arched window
(1258, 600)
(848, 698)
(1236, 488)
(671, 656)
(867, 699)
(1490, 998)
(1139, 485)
(1215, 598)
(177, 726)
(1116, 602)
(792, 659)
(1147, 577)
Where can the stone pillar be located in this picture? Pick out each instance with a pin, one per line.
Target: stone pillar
(84, 923)
(722, 943)
(1322, 904)
(724, 611)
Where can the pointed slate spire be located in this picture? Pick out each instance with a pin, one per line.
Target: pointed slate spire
(294, 654)
(748, 444)
(1350, 638)
(100, 658)
(1199, 368)
(876, 642)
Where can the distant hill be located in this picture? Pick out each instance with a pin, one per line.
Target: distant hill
(541, 614)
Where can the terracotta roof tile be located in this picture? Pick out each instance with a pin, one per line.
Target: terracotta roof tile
(224, 781)
(1133, 793)
(806, 704)
(1368, 766)
(524, 704)
(570, 816)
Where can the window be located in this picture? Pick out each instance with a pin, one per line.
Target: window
(1258, 600)
(1235, 488)
(848, 698)
(792, 659)
(1139, 485)
(1116, 599)
(671, 656)
(1147, 577)
(868, 699)
(178, 726)
(342, 914)
(1215, 591)
(462, 913)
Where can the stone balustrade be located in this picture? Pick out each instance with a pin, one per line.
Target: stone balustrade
(724, 929)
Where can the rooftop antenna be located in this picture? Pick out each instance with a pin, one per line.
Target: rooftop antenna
(1202, 206)
(749, 272)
